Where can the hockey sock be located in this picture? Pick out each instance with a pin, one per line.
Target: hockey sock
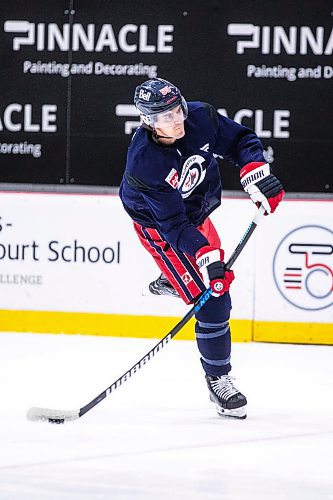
(214, 344)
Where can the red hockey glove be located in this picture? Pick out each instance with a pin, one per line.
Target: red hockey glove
(262, 186)
(210, 263)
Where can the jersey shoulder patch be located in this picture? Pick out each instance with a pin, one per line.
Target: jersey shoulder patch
(172, 178)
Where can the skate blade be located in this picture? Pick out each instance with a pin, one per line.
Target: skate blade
(239, 413)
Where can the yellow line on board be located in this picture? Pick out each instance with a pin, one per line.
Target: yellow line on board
(293, 333)
(115, 325)
(118, 325)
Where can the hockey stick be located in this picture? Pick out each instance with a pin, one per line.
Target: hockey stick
(62, 416)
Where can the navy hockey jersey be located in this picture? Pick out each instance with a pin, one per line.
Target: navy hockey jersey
(174, 188)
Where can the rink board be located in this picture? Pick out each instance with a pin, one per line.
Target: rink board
(108, 325)
(72, 263)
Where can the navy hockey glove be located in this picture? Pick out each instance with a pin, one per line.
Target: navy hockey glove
(262, 186)
(211, 266)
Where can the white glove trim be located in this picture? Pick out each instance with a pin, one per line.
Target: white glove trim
(208, 258)
(203, 262)
(257, 197)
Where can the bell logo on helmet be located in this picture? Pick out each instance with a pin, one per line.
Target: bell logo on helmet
(144, 95)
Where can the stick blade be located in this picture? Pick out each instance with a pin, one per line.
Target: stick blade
(52, 416)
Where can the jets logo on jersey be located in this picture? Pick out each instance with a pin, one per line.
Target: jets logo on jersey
(172, 178)
(192, 175)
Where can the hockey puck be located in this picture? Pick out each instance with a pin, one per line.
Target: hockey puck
(56, 420)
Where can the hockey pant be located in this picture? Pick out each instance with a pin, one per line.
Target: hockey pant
(212, 320)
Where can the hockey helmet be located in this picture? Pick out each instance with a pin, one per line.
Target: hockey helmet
(155, 97)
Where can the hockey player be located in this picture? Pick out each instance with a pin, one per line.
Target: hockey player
(170, 187)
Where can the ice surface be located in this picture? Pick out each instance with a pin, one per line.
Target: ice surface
(158, 436)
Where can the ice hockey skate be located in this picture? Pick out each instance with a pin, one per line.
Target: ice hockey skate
(161, 286)
(229, 402)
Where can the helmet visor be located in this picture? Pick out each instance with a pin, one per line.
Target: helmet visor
(169, 118)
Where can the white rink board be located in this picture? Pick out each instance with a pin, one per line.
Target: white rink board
(294, 264)
(44, 225)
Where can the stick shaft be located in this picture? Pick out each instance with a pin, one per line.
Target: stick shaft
(196, 307)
